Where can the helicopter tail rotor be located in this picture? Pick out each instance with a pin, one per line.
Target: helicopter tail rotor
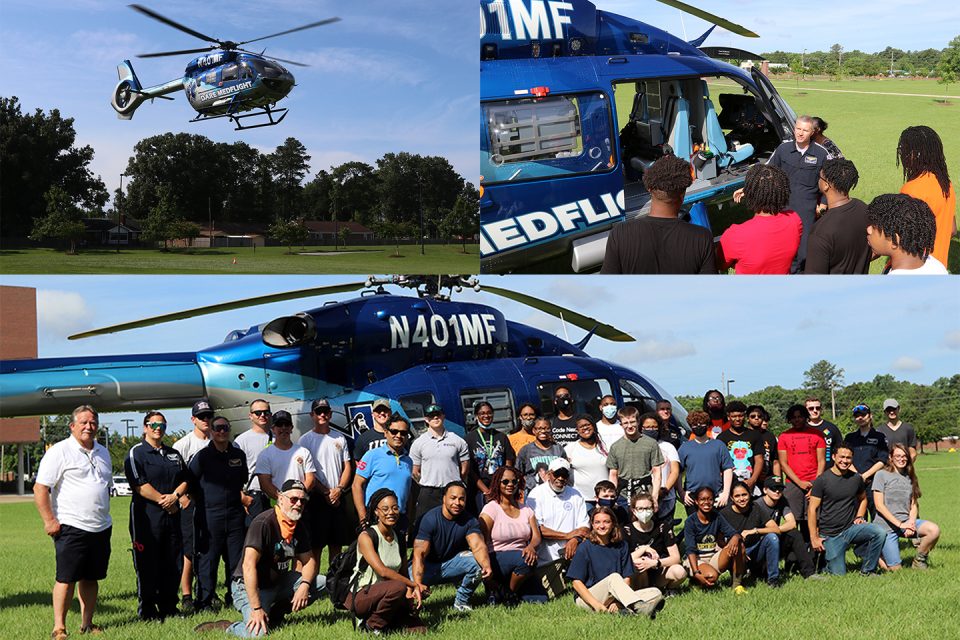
(128, 94)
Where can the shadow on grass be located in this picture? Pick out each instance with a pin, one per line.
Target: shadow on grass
(953, 258)
(45, 599)
(11, 252)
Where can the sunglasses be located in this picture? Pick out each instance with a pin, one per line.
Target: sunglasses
(398, 432)
(506, 482)
(157, 425)
(861, 409)
(261, 412)
(816, 407)
(323, 412)
(297, 499)
(221, 427)
(206, 417)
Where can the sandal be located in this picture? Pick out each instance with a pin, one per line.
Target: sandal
(59, 634)
(93, 629)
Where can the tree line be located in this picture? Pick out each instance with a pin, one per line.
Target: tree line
(933, 410)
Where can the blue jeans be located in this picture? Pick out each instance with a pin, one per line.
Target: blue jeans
(462, 566)
(891, 546)
(868, 538)
(767, 550)
(275, 600)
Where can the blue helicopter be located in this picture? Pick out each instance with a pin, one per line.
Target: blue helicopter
(224, 82)
(577, 102)
(416, 350)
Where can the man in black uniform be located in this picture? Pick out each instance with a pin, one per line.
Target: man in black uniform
(158, 477)
(220, 473)
(801, 159)
(660, 242)
(870, 451)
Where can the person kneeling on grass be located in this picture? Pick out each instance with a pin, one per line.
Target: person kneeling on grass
(600, 568)
(760, 540)
(266, 586)
(712, 544)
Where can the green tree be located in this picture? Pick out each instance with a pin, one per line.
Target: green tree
(289, 164)
(344, 235)
(64, 220)
(38, 152)
(289, 232)
(394, 231)
(464, 219)
(159, 223)
(823, 378)
(948, 68)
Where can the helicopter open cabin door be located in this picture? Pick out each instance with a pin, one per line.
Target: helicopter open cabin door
(778, 111)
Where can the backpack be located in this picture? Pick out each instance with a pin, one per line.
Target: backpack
(341, 569)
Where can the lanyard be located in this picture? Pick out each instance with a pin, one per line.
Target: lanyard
(487, 447)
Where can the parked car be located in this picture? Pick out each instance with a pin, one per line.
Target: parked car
(121, 487)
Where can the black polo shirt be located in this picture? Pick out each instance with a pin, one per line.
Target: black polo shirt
(219, 477)
(868, 449)
(162, 468)
(803, 169)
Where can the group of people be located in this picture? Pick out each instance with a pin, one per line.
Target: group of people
(804, 218)
(567, 499)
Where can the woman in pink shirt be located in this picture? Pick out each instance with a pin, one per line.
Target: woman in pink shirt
(767, 242)
(512, 535)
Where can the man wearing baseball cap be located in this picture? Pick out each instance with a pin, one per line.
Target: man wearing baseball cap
(773, 506)
(284, 461)
(895, 430)
(870, 450)
(375, 437)
(266, 585)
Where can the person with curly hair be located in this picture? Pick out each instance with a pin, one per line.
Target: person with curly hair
(920, 153)
(904, 229)
(660, 242)
(837, 243)
(768, 242)
(820, 125)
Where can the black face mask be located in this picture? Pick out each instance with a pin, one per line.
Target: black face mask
(562, 403)
(700, 431)
(651, 433)
(606, 502)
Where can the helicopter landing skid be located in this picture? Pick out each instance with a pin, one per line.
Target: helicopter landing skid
(235, 118)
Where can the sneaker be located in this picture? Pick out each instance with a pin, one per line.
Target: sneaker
(774, 583)
(871, 574)
(462, 607)
(920, 562)
(216, 625)
(187, 607)
(649, 607)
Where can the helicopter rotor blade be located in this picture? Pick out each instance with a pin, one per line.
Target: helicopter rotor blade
(150, 13)
(301, 28)
(223, 306)
(269, 57)
(175, 53)
(709, 17)
(584, 322)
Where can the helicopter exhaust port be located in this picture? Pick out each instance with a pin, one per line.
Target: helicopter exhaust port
(290, 331)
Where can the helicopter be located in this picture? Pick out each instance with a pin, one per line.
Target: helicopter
(576, 103)
(224, 82)
(416, 350)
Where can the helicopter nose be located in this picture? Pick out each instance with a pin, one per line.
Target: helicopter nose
(282, 84)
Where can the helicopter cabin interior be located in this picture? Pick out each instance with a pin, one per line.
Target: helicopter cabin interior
(721, 138)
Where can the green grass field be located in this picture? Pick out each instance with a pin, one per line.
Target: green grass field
(910, 604)
(362, 260)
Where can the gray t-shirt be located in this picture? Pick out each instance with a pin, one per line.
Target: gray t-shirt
(897, 493)
(905, 434)
(633, 460)
(531, 459)
(252, 443)
(439, 458)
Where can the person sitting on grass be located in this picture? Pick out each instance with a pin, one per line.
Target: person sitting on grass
(600, 568)
(760, 540)
(653, 548)
(605, 495)
(712, 544)
(895, 494)
(903, 229)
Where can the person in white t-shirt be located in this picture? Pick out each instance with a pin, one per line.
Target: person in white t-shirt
(283, 460)
(608, 428)
(588, 458)
(327, 515)
(72, 494)
(252, 441)
(904, 229)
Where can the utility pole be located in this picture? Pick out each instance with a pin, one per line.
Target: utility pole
(119, 200)
(729, 382)
(833, 401)
(420, 201)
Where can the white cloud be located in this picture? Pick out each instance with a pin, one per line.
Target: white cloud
(952, 340)
(651, 348)
(360, 64)
(907, 363)
(61, 313)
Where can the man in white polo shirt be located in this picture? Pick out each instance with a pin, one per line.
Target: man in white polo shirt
(439, 457)
(72, 494)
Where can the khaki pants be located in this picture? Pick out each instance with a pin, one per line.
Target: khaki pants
(615, 588)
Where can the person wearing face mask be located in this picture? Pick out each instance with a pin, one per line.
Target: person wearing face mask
(608, 427)
(759, 534)
(605, 495)
(705, 463)
(564, 423)
(527, 415)
(653, 549)
(588, 458)
(635, 460)
(489, 450)
(534, 458)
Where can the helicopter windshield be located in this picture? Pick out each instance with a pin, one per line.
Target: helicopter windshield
(267, 69)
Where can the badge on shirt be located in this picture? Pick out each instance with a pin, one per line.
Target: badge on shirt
(172, 457)
(361, 465)
(810, 159)
(235, 462)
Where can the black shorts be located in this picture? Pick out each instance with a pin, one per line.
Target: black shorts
(81, 555)
(187, 530)
(329, 525)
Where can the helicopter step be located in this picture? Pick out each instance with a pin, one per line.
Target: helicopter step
(235, 117)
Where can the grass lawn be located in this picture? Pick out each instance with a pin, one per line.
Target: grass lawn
(910, 603)
(360, 260)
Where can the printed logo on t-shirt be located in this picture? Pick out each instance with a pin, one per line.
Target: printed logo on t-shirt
(707, 544)
(234, 462)
(568, 506)
(361, 465)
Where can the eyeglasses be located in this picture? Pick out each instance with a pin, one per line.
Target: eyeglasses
(296, 499)
(507, 481)
(261, 412)
(756, 415)
(157, 425)
(393, 509)
(206, 417)
(221, 427)
(398, 432)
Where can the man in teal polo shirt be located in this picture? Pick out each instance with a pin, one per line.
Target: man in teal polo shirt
(386, 467)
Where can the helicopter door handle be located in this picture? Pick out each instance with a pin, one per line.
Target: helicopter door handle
(617, 60)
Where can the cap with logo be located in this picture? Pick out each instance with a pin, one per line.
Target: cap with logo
(433, 408)
(291, 484)
(201, 406)
(773, 482)
(381, 403)
(557, 464)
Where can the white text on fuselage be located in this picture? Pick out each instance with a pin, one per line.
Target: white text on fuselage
(210, 60)
(543, 225)
(460, 329)
(217, 93)
(543, 21)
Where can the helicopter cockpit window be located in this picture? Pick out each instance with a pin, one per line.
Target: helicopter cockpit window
(415, 406)
(245, 71)
(210, 78)
(267, 69)
(534, 138)
(634, 395)
(230, 72)
(586, 395)
(500, 398)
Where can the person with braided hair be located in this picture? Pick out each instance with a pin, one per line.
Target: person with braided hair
(820, 125)
(768, 242)
(920, 153)
(660, 242)
(837, 243)
(903, 228)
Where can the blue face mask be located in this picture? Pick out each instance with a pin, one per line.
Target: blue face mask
(606, 502)
(609, 411)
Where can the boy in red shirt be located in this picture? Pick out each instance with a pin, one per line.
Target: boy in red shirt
(803, 454)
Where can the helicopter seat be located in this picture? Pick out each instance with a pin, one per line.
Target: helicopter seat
(677, 113)
(713, 134)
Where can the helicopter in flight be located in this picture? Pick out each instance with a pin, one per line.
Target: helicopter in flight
(224, 82)
(416, 350)
(576, 103)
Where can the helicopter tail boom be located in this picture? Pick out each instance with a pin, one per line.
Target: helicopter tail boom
(129, 94)
(108, 383)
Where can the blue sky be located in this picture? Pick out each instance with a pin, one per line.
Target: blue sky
(391, 76)
(689, 331)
